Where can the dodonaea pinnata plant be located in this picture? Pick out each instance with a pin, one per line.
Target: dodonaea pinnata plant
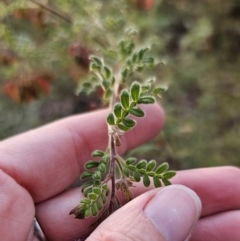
(116, 69)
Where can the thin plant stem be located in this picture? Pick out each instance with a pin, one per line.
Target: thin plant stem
(112, 145)
(112, 163)
(112, 171)
(120, 168)
(53, 11)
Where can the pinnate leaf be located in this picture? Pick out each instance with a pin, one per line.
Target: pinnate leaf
(110, 119)
(135, 91)
(169, 174)
(85, 201)
(162, 168)
(97, 153)
(118, 110)
(151, 165)
(128, 122)
(106, 84)
(142, 52)
(134, 58)
(94, 210)
(91, 164)
(99, 205)
(102, 168)
(86, 184)
(97, 60)
(146, 180)
(95, 67)
(92, 196)
(136, 176)
(87, 212)
(107, 94)
(87, 191)
(105, 159)
(125, 113)
(104, 199)
(158, 90)
(131, 160)
(123, 127)
(157, 182)
(86, 175)
(97, 175)
(105, 187)
(148, 60)
(125, 73)
(107, 72)
(137, 112)
(166, 182)
(141, 164)
(146, 100)
(125, 99)
(97, 190)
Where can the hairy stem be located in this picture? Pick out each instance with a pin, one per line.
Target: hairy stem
(120, 168)
(112, 170)
(112, 146)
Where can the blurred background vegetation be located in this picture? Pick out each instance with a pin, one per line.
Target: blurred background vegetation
(44, 51)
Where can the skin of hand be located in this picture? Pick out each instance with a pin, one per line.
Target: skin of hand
(37, 167)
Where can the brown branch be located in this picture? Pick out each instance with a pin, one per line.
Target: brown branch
(113, 156)
(112, 163)
(53, 11)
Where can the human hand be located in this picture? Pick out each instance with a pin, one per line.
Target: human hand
(171, 213)
(37, 167)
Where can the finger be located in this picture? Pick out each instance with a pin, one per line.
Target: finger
(217, 187)
(63, 225)
(47, 160)
(164, 215)
(219, 227)
(16, 205)
(67, 228)
(57, 224)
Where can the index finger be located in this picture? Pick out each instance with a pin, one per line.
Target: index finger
(217, 187)
(47, 160)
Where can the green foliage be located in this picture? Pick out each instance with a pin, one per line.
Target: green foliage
(95, 170)
(93, 203)
(98, 153)
(124, 97)
(128, 105)
(137, 62)
(148, 171)
(110, 119)
(119, 121)
(101, 75)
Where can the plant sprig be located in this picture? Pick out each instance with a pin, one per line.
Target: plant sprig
(129, 101)
(125, 107)
(116, 76)
(148, 170)
(93, 203)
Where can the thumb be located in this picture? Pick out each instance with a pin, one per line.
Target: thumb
(166, 214)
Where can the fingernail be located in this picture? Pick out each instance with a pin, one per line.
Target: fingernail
(174, 210)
